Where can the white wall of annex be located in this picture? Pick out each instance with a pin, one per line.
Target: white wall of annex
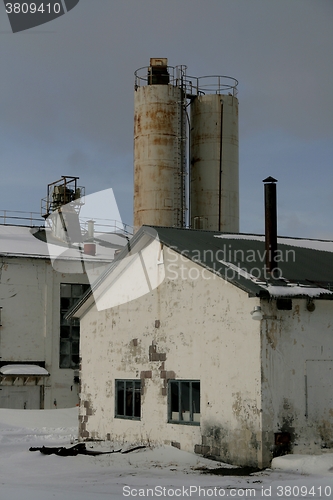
(297, 367)
(206, 333)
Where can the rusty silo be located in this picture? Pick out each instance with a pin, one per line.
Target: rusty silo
(159, 146)
(214, 191)
(171, 188)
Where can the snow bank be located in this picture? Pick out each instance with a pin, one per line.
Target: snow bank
(305, 464)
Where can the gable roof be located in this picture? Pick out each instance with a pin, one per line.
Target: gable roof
(306, 266)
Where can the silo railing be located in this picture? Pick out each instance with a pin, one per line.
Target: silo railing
(192, 85)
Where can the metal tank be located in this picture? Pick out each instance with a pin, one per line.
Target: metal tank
(159, 146)
(214, 190)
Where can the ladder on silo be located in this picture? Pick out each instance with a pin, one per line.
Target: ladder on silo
(180, 155)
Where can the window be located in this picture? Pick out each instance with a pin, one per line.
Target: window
(184, 401)
(128, 399)
(69, 330)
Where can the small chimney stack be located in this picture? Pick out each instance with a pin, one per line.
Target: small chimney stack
(271, 226)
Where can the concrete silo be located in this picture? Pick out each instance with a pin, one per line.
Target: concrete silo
(159, 146)
(176, 113)
(214, 191)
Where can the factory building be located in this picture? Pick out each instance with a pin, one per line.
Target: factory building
(44, 270)
(197, 336)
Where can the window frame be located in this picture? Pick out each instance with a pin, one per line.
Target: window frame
(180, 419)
(136, 388)
(72, 326)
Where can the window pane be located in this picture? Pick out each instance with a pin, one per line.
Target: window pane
(75, 348)
(65, 303)
(64, 332)
(129, 399)
(65, 347)
(64, 361)
(185, 400)
(174, 403)
(120, 398)
(137, 399)
(65, 290)
(196, 397)
(75, 361)
(77, 290)
(75, 332)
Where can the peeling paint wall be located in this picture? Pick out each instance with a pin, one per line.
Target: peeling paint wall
(194, 326)
(30, 301)
(297, 376)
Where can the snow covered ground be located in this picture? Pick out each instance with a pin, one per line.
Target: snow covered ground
(163, 472)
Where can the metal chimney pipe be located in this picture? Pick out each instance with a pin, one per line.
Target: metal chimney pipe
(271, 225)
(91, 228)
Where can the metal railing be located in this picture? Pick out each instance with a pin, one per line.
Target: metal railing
(106, 226)
(191, 85)
(33, 219)
(20, 218)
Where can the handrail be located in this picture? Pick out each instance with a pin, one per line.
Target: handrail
(20, 218)
(7, 217)
(192, 85)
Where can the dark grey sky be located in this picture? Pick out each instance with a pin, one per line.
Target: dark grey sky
(66, 98)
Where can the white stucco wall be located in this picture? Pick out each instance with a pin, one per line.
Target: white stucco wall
(297, 368)
(206, 333)
(30, 301)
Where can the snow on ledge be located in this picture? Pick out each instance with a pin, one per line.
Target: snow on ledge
(290, 291)
(323, 245)
(31, 370)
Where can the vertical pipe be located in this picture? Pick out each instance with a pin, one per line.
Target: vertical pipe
(270, 225)
(221, 167)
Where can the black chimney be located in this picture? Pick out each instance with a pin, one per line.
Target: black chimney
(271, 226)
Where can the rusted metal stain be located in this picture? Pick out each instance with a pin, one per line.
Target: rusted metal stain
(157, 185)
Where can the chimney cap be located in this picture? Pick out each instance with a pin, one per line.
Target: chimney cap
(270, 179)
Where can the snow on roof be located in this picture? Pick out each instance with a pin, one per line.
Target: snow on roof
(19, 241)
(323, 245)
(296, 290)
(21, 369)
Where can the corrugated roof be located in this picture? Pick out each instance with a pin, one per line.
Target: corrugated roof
(241, 260)
(306, 265)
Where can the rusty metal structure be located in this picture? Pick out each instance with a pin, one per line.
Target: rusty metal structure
(159, 146)
(185, 149)
(61, 208)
